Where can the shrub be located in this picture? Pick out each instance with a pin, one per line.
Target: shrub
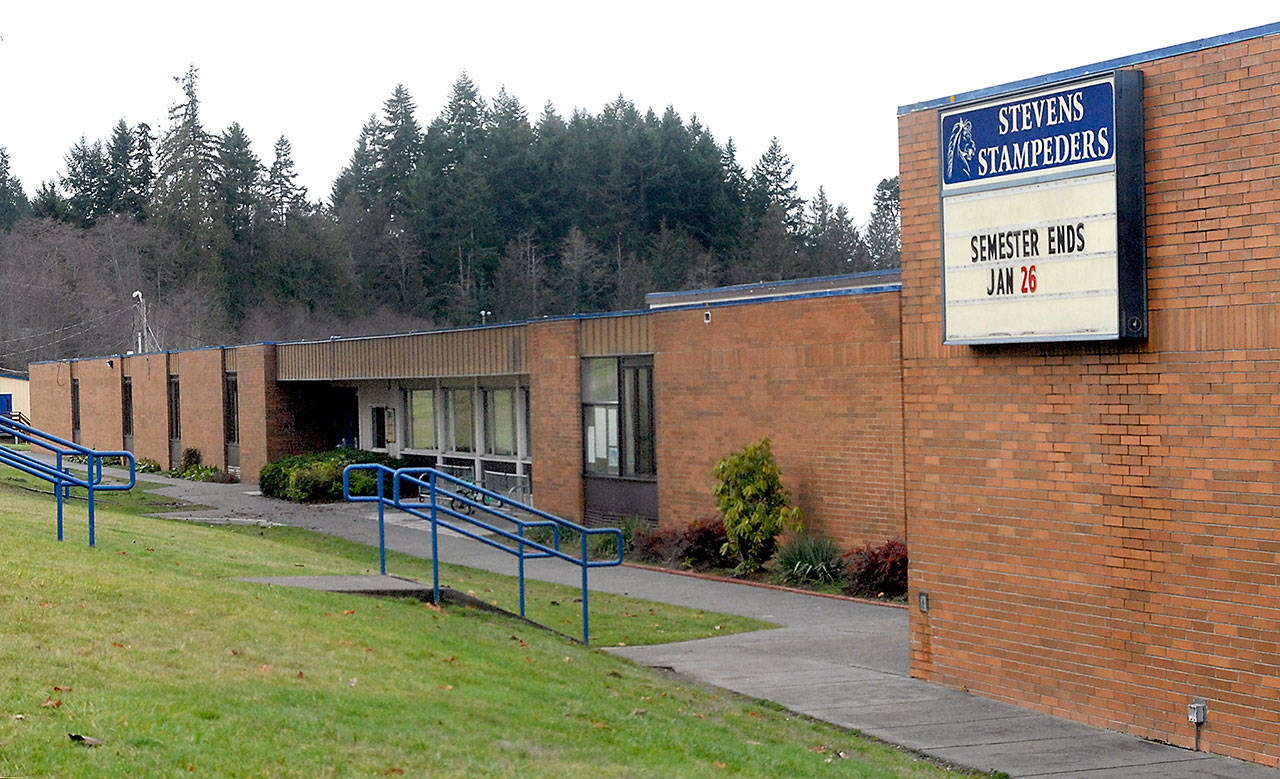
(878, 571)
(278, 478)
(660, 546)
(146, 465)
(698, 545)
(190, 460)
(810, 560)
(319, 481)
(755, 505)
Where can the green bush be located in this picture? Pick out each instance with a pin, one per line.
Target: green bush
(190, 460)
(146, 465)
(810, 559)
(755, 505)
(317, 476)
(320, 481)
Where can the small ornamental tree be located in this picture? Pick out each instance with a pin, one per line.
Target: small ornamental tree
(755, 505)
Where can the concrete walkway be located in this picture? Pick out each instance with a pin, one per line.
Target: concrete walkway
(834, 660)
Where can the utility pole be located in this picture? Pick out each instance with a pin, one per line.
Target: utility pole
(146, 340)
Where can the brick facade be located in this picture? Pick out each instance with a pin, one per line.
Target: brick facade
(555, 417)
(1096, 524)
(51, 397)
(820, 376)
(150, 375)
(200, 387)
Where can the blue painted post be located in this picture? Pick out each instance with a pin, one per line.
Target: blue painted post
(382, 536)
(586, 639)
(435, 543)
(57, 491)
(90, 488)
(520, 543)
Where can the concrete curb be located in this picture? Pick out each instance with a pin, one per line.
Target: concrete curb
(711, 577)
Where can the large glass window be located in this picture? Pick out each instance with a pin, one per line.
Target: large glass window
(500, 421)
(75, 410)
(460, 412)
(231, 408)
(422, 419)
(175, 410)
(617, 416)
(126, 406)
(379, 429)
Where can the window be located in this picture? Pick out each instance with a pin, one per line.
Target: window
(500, 421)
(75, 410)
(617, 415)
(384, 426)
(231, 408)
(422, 419)
(175, 411)
(461, 416)
(637, 415)
(126, 406)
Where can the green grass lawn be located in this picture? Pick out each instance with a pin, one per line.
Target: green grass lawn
(148, 644)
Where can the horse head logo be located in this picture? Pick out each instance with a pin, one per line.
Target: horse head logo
(960, 149)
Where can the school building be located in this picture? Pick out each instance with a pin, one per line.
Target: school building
(592, 418)
(1066, 403)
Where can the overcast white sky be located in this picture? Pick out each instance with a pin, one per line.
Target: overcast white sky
(826, 78)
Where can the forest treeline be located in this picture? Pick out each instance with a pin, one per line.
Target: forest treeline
(482, 210)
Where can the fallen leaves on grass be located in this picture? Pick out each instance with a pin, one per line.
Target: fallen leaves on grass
(88, 741)
(60, 688)
(50, 703)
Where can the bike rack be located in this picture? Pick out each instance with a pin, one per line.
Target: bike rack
(59, 474)
(448, 497)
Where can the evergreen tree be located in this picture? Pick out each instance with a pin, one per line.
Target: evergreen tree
(508, 154)
(284, 197)
(13, 202)
(141, 173)
(357, 179)
(772, 186)
(884, 240)
(832, 240)
(397, 148)
(50, 204)
(185, 200)
(86, 182)
(118, 172)
(238, 181)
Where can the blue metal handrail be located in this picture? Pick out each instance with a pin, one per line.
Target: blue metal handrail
(59, 473)
(441, 495)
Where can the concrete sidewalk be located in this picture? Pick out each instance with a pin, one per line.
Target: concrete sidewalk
(839, 661)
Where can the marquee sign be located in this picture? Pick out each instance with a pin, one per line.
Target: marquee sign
(1043, 235)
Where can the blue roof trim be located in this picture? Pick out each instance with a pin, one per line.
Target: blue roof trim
(1100, 67)
(123, 355)
(774, 284)
(825, 293)
(11, 375)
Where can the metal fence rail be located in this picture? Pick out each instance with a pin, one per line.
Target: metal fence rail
(470, 510)
(59, 474)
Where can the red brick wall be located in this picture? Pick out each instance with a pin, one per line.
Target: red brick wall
(100, 421)
(150, 375)
(819, 376)
(200, 403)
(51, 398)
(1096, 525)
(555, 417)
(255, 371)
